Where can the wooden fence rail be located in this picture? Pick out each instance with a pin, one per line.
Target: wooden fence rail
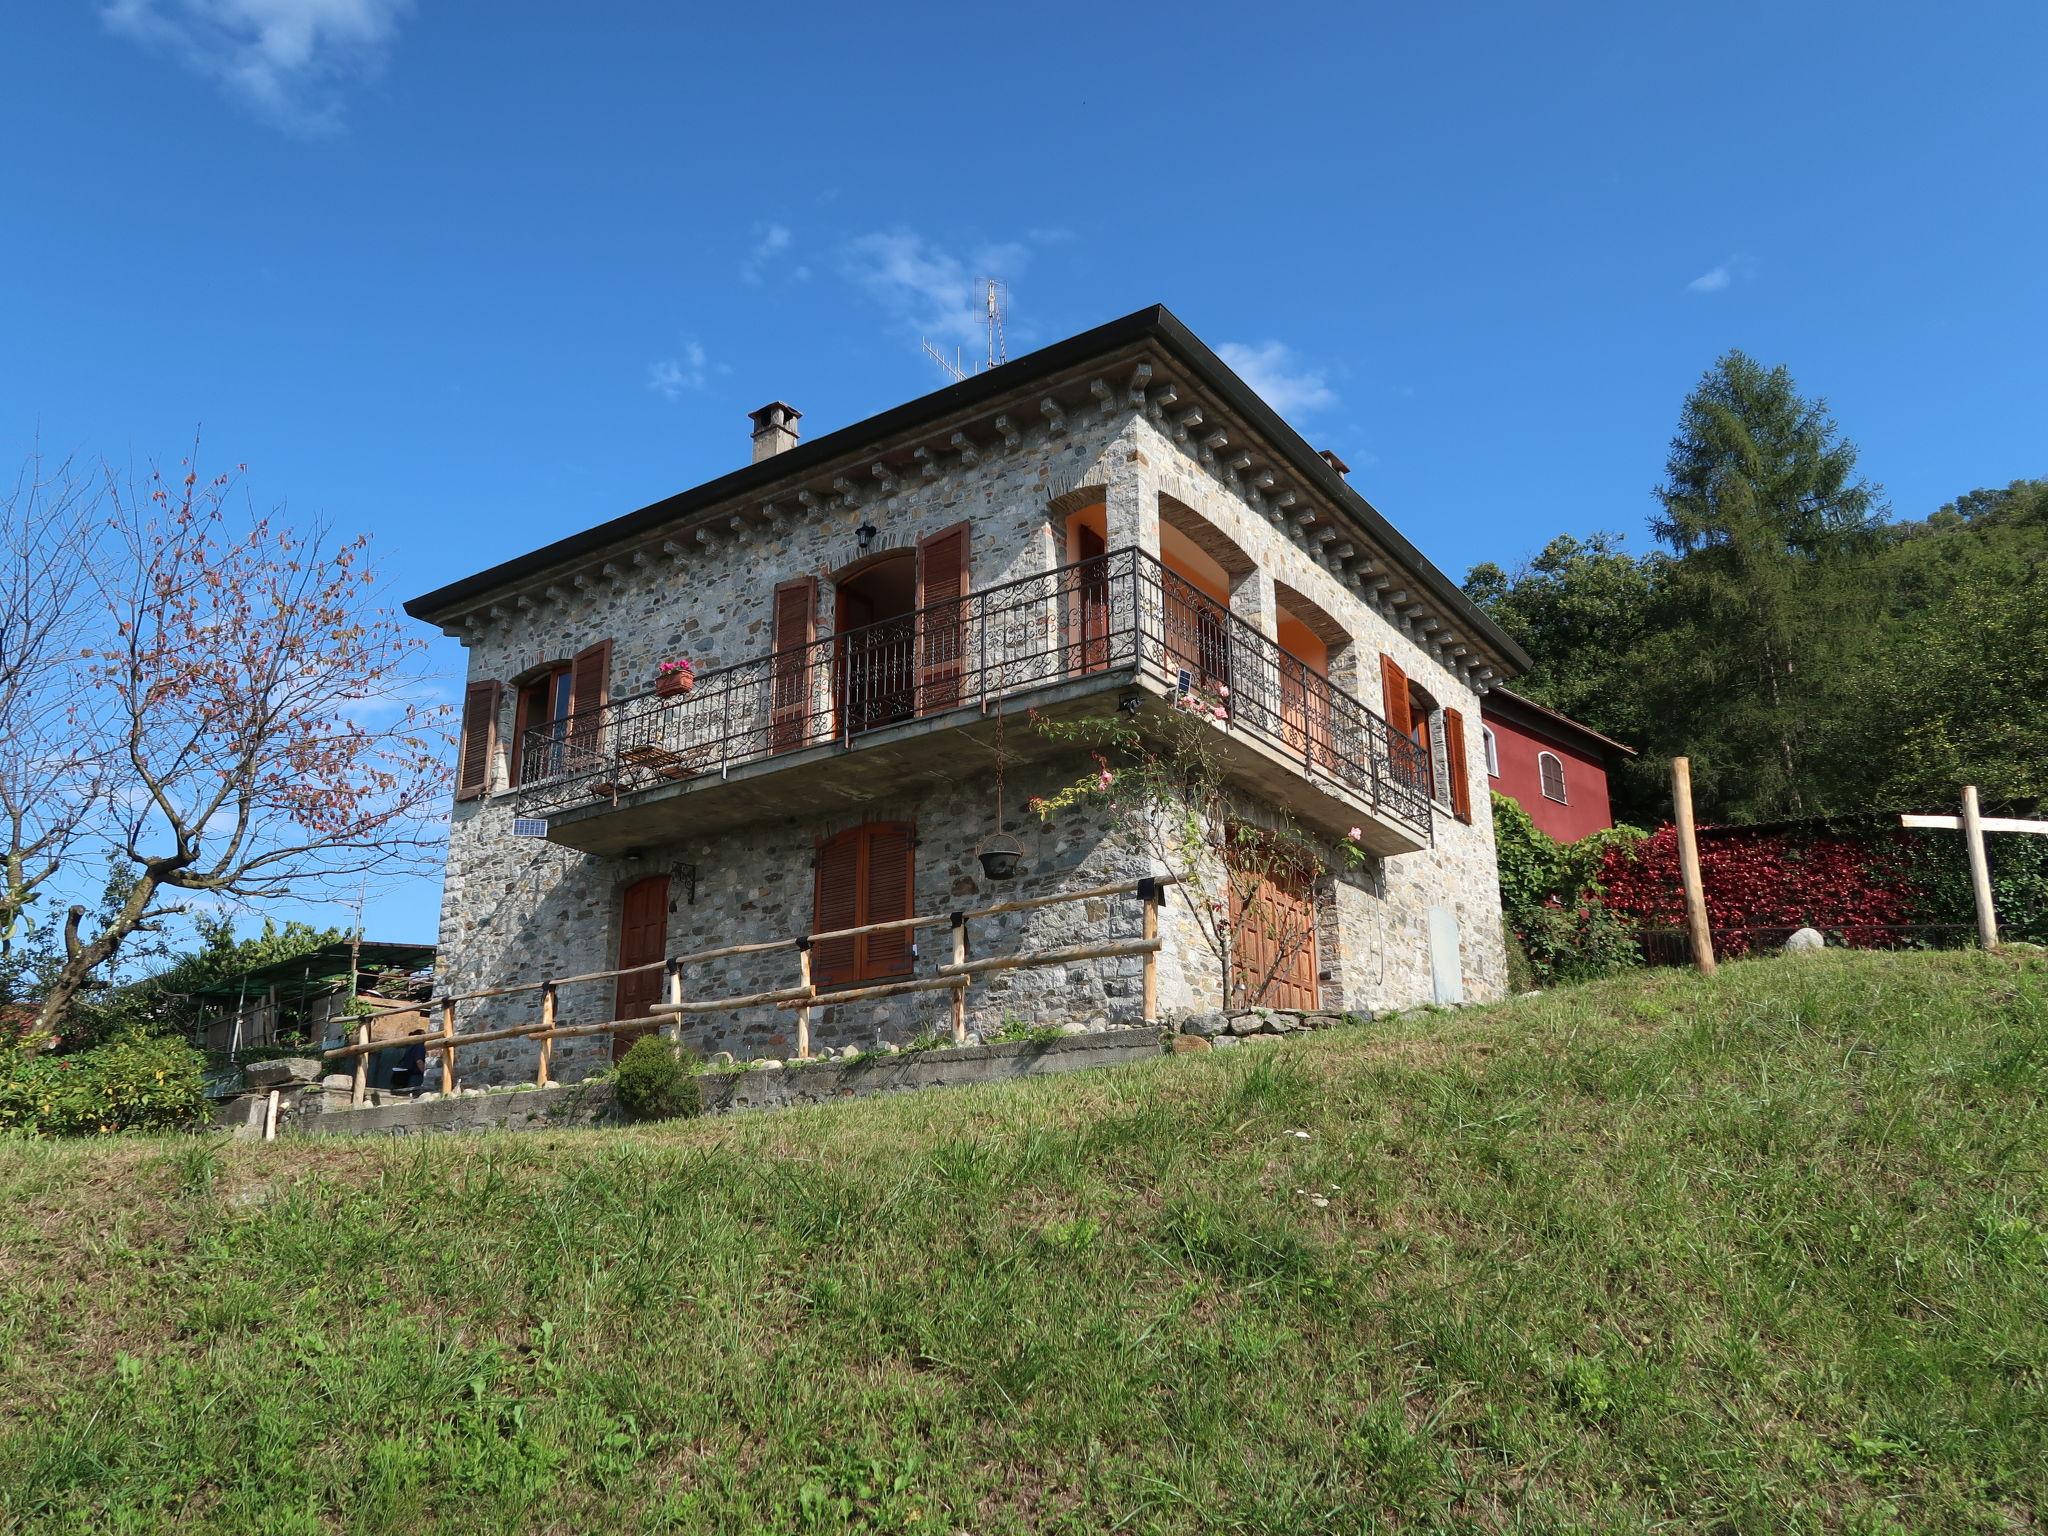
(801, 996)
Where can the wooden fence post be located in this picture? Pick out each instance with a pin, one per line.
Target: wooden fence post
(448, 1050)
(1148, 894)
(359, 1090)
(547, 1046)
(1689, 866)
(960, 992)
(803, 1014)
(1980, 869)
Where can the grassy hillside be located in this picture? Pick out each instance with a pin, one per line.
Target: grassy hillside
(1764, 1254)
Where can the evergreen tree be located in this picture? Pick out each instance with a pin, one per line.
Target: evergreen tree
(1763, 510)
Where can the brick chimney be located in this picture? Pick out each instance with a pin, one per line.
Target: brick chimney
(774, 429)
(1328, 458)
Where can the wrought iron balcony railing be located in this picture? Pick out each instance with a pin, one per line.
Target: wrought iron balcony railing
(1121, 610)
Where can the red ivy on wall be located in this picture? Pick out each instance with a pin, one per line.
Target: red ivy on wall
(1857, 885)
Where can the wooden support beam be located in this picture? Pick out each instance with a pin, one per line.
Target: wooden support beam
(1105, 397)
(1689, 866)
(547, 1042)
(359, 1087)
(1150, 895)
(803, 1014)
(885, 477)
(959, 993)
(448, 1045)
(1187, 423)
(970, 455)
(1055, 416)
(927, 464)
(1140, 377)
(1980, 869)
(1013, 439)
(1116, 950)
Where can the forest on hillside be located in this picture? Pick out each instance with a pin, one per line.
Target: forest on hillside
(1811, 653)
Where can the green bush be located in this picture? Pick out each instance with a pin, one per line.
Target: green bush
(652, 1083)
(1581, 942)
(1559, 929)
(125, 1085)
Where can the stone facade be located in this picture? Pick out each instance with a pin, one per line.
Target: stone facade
(523, 909)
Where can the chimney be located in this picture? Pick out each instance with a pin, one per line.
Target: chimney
(774, 429)
(1329, 458)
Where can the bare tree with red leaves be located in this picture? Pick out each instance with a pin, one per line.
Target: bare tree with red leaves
(254, 719)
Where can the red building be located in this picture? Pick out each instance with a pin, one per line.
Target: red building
(1549, 764)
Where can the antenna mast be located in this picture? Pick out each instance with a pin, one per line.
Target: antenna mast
(995, 308)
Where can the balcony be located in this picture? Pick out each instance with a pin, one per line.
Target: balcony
(889, 707)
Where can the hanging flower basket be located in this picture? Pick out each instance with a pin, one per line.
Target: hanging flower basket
(999, 856)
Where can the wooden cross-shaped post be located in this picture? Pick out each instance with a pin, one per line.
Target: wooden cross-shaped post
(1973, 825)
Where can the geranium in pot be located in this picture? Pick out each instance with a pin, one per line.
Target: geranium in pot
(675, 676)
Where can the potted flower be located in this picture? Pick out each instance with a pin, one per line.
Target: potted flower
(675, 676)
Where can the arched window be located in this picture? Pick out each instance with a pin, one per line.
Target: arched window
(1492, 752)
(1551, 766)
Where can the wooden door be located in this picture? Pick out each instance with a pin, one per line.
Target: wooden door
(643, 937)
(1092, 625)
(1273, 923)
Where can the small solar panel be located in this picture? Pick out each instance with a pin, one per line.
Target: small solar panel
(529, 826)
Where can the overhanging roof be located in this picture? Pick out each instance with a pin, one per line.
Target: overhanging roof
(328, 962)
(1508, 705)
(1157, 325)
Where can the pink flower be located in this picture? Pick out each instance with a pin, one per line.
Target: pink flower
(1223, 692)
(1355, 833)
(1220, 712)
(1106, 778)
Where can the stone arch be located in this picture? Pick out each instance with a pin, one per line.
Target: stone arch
(1340, 651)
(1205, 536)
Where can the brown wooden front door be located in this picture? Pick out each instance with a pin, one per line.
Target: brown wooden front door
(1273, 928)
(643, 938)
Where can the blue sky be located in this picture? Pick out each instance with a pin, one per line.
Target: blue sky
(472, 276)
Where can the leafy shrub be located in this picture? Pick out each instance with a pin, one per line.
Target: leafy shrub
(1551, 894)
(1581, 942)
(652, 1083)
(125, 1085)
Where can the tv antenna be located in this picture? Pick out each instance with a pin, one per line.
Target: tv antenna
(995, 315)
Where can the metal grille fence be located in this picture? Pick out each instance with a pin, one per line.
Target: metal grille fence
(1119, 610)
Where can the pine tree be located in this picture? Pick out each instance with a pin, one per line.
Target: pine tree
(1763, 508)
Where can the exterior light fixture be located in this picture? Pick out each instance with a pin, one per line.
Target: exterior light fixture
(864, 535)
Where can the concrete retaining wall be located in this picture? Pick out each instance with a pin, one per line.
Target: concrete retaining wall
(584, 1104)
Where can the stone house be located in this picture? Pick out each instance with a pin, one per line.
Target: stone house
(1116, 521)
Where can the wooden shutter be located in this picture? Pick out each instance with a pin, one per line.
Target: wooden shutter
(796, 626)
(836, 904)
(479, 740)
(1454, 752)
(1394, 695)
(888, 883)
(942, 622)
(590, 673)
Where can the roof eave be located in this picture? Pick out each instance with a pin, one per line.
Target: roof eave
(1155, 323)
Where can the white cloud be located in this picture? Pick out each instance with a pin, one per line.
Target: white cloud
(932, 292)
(1716, 279)
(289, 59)
(1278, 377)
(688, 371)
(770, 242)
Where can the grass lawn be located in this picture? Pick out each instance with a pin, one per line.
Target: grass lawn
(1767, 1253)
